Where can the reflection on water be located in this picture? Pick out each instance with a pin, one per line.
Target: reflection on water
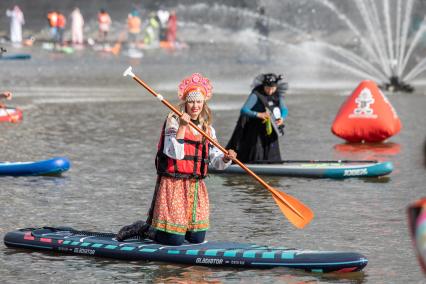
(250, 191)
(191, 274)
(382, 179)
(245, 181)
(367, 151)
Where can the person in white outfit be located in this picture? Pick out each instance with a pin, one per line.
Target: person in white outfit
(16, 22)
(77, 26)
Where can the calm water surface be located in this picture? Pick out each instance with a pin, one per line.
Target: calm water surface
(111, 143)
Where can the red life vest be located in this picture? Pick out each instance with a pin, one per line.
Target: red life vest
(193, 165)
(53, 19)
(61, 21)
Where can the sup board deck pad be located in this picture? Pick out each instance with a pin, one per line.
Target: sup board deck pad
(215, 253)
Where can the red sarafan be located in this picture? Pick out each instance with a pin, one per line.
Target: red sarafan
(366, 116)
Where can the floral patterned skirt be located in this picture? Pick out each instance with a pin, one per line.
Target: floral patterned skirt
(180, 205)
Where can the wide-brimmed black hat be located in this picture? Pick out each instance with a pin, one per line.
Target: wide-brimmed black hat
(271, 79)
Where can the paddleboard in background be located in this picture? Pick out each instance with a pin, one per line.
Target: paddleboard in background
(315, 169)
(17, 56)
(48, 45)
(54, 166)
(52, 47)
(66, 49)
(133, 53)
(219, 254)
(102, 47)
(173, 45)
(10, 114)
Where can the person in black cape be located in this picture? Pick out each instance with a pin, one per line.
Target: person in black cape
(254, 139)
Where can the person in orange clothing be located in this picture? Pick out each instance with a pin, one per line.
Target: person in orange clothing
(172, 28)
(52, 18)
(104, 21)
(134, 26)
(62, 21)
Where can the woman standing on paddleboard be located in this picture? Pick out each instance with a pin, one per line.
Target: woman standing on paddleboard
(261, 121)
(180, 206)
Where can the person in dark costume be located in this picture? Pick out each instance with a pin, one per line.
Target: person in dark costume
(261, 122)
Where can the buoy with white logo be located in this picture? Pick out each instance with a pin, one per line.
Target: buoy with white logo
(366, 116)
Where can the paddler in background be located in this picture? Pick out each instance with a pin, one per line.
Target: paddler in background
(60, 25)
(52, 17)
(261, 121)
(77, 24)
(134, 27)
(151, 31)
(172, 28)
(104, 22)
(5, 95)
(16, 22)
(417, 224)
(180, 206)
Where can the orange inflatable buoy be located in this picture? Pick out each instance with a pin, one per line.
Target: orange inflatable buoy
(366, 116)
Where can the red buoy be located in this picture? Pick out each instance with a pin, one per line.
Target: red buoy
(366, 116)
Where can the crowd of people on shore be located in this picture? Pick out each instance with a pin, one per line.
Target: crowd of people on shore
(158, 28)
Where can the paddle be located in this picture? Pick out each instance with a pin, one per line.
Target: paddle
(296, 212)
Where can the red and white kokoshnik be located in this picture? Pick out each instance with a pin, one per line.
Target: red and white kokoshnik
(193, 86)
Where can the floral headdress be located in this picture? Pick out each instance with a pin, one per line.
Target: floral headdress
(195, 87)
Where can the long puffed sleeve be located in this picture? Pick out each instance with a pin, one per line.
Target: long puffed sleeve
(216, 156)
(248, 105)
(173, 148)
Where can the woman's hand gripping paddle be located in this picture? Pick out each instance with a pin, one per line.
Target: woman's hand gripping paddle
(296, 212)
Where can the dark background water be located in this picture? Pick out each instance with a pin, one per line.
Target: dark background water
(308, 40)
